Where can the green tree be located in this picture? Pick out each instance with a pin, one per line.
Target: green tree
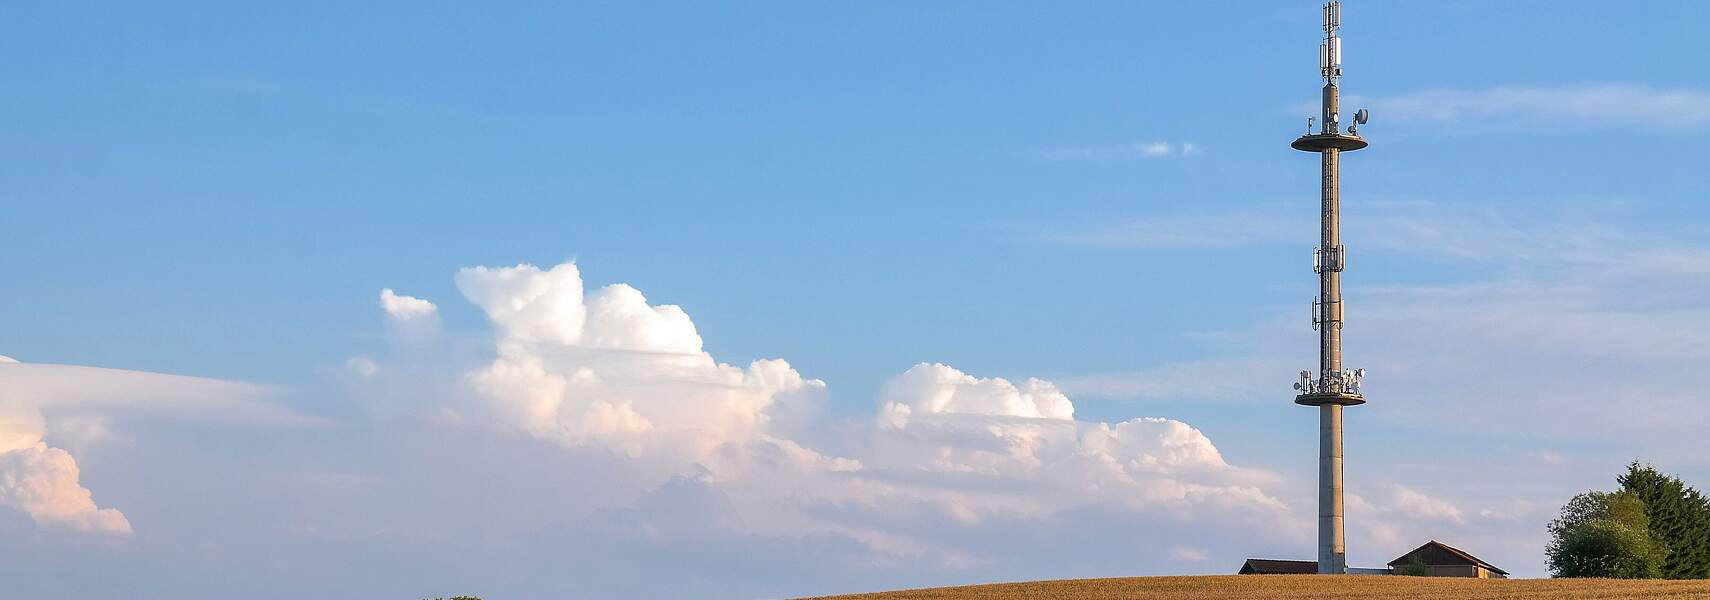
(1415, 567)
(1679, 518)
(1602, 534)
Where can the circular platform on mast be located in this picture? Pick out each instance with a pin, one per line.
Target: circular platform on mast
(1323, 141)
(1323, 398)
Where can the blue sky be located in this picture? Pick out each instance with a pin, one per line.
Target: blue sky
(1098, 195)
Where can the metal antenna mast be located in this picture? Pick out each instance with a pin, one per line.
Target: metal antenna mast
(1332, 387)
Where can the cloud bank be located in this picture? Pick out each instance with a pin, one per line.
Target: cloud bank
(945, 458)
(80, 405)
(593, 427)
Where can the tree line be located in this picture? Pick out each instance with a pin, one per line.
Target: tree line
(1654, 526)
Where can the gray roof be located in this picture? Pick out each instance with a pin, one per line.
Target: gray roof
(1272, 566)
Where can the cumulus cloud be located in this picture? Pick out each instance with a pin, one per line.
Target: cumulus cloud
(606, 371)
(1030, 426)
(405, 308)
(42, 481)
(609, 368)
(937, 388)
(527, 304)
(596, 430)
(938, 419)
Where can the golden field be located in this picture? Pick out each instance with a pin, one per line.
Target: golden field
(1288, 587)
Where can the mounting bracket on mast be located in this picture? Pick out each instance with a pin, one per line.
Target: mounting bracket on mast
(1330, 388)
(1326, 314)
(1329, 259)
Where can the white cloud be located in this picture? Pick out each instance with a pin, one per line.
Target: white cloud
(1119, 152)
(65, 390)
(1556, 107)
(529, 305)
(606, 371)
(21, 425)
(1419, 505)
(599, 427)
(943, 419)
(42, 481)
(611, 369)
(1183, 553)
(79, 405)
(405, 308)
(78, 433)
(362, 366)
(619, 317)
(936, 388)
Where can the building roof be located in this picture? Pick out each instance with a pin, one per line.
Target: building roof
(1438, 553)
(1271, 566)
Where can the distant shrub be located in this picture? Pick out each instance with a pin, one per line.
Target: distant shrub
(1415, 568)
(1602, 534)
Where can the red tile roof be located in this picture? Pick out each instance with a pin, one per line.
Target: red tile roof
(1402, 561)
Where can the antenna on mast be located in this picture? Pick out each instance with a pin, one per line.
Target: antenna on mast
(1330, 52)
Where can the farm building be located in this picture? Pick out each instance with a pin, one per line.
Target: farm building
(1439, 560)
(1443, 560)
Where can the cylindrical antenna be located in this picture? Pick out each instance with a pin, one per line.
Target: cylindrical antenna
(1330, 52)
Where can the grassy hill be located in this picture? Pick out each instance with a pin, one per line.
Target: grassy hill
(1289, 587)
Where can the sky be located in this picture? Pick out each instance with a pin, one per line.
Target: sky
(761, 300)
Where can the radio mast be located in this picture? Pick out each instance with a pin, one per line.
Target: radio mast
(1331, 388)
